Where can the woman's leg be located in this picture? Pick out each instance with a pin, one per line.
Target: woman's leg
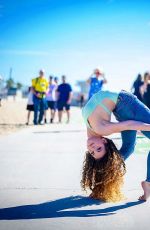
(147, 134)
(143, 114)
(146, 184)
(148, 168)
(128, 143)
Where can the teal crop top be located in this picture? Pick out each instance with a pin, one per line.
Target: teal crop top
(96, 100)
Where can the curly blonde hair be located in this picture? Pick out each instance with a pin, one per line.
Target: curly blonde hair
(104, 177)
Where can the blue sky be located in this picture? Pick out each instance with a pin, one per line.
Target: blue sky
(73, 37)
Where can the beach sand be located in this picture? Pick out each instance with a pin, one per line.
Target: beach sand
(13, 115)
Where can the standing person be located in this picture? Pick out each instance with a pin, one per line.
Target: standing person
(145, 90)
(136, 87)
(56, 80)
(30, 104)
(64, 97)
(51, 98)
(81, 100)
(40, 86)
(96, 81)
(146, 96)
(104, 164)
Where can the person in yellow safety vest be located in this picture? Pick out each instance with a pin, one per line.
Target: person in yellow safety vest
(40, 87)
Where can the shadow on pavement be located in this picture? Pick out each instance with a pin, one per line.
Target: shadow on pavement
(59, 208)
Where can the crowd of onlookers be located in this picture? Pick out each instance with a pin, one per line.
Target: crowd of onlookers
(48, 96)
(141, 88)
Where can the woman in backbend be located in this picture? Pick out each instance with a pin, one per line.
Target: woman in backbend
(104, 165)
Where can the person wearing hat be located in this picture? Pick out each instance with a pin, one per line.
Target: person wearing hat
(96, 81)
(40, 87)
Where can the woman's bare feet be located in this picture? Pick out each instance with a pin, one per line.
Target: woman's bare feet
(146, 188)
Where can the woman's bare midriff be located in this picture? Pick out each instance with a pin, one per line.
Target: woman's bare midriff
(100, 115)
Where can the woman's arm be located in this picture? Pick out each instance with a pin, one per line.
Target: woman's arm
(107, 128)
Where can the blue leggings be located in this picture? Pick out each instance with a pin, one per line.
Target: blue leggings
(129, 107)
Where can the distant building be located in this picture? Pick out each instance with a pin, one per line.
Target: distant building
(12, 91)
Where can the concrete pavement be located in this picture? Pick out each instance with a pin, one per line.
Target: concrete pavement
(40, 172)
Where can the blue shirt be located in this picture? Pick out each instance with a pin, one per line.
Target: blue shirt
(64, 90)
(95, 86)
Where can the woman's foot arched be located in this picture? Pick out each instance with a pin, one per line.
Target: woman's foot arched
(146, 188)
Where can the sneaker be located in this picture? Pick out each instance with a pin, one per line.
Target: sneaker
(41, 123)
